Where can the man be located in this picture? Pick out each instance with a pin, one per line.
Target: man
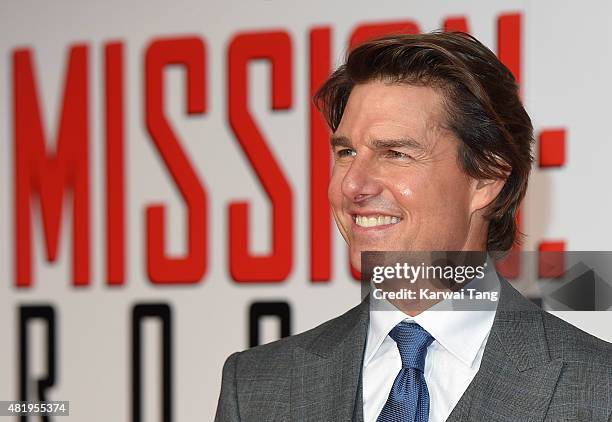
(432, 151)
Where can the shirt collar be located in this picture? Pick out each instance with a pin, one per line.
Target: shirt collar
(460, 332)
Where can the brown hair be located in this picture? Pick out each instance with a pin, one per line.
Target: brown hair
(481, 100)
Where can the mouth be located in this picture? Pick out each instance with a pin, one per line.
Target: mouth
(375, 220)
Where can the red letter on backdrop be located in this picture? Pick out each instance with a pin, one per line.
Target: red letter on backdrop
(320, 216)
(509, 52)
(456, 23)
(190, 53)
(48, 175)
(115, 164)
(276, 48)
(509, 43)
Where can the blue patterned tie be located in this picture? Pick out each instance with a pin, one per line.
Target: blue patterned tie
(409, 399)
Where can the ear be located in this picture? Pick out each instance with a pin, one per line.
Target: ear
(484, 191)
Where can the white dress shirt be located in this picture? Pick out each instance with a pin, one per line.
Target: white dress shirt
(453, 358)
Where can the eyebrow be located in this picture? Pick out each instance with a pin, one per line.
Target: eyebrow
(340, 141)
(343, 141)
(397, 143)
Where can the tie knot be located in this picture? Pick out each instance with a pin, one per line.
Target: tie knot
(412, 341)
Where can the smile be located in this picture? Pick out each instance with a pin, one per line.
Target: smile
(375, 220)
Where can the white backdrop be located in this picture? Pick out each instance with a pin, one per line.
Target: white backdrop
(565, 66)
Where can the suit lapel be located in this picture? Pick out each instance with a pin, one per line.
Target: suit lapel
(325, 384)
(516, 378)
(515, 381)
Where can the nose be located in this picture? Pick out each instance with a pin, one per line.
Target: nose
(360, 181)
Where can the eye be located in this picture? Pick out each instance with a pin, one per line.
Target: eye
(396, 155)
(345, 152)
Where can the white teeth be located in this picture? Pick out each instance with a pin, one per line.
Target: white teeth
(381, 220)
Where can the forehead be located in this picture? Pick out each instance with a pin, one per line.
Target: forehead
(379, 109)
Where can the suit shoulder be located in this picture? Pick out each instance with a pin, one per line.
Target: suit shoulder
(572, 344)
(279, 354)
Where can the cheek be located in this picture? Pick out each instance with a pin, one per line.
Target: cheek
(334, 190)
(405, 192)
(409, 192)
(451, 205)
(429, 196)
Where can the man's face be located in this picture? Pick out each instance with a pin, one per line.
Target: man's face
(397, 184)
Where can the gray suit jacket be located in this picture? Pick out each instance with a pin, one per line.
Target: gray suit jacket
(535, 367)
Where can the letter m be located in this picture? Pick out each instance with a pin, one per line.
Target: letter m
(50, 174)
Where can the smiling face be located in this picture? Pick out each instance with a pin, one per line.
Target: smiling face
(397, 184)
